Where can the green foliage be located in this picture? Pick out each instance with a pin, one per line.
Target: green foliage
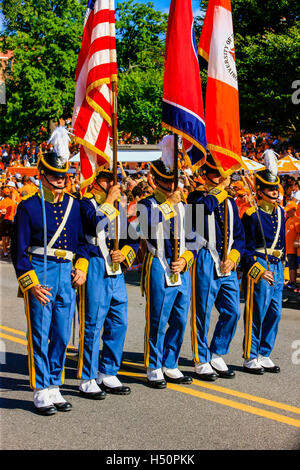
(140, 33)
(46, 37)
(267, 41)
(139, 106)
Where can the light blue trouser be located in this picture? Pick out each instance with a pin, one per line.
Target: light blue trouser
(50, 322)
(166, 316)
(208, 290)
(262, 313)
(102, 303)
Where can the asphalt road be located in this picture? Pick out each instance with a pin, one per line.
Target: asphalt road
(246, 413)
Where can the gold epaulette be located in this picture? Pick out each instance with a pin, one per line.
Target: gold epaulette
(70, 194)
(250, 211)
(24, 198)
(88, 195)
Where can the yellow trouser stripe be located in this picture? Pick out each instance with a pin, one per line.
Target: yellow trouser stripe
(147, 291)
(81, 312)
(248, 318)
(31, 367)
(193, 314)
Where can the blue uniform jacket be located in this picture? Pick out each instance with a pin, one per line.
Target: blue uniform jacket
(213, 202)
(100, 218)
(28, 231)
(254, 238)
(165, 214)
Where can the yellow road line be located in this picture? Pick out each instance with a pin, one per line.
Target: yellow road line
(236, 393)
(12, 330)
(224, 401)
(239, 406)
(13, 338)
(213, 398)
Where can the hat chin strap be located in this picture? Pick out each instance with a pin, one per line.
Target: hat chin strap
(162, 187)
(209, 179)
(53, 185)
(270, 197)
(103, 189)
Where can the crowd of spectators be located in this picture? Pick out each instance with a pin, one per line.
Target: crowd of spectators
(136, 183)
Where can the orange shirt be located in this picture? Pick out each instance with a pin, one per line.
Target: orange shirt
(292, 227)
(10, 206)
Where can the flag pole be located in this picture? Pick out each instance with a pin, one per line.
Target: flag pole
(225, 229)
(115, 266)
(175, 254)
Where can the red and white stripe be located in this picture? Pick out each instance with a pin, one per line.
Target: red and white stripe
(96, 69)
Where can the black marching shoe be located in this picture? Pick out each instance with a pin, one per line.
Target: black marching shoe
(185, 379)
(122, 390)
(207, 377)
(46, 410)
(273, 370)
(93, 395)
(254, 370)
(205, 372)
(64, 406)
(225, 374)
(254, 367)
(159, 384)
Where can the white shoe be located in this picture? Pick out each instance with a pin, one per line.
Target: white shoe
(203, 368)
(172, 373)
(205, 371)
(218, 363)
(55, 395)
(110, 381)
(253, 366)
(111, 384)
(58, 400)
(89, 386)
(265, 361)
(155, 374)
(41, 398)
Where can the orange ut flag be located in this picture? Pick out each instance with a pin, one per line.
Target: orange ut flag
(222, 98)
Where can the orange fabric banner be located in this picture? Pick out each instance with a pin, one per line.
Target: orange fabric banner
(222, 98)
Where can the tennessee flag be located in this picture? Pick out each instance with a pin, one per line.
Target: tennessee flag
(222, 98)
(96, 70)
(182, 107)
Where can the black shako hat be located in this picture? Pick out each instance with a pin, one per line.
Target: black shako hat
(52, 164)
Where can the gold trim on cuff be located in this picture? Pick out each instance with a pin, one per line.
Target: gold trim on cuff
(129, 254)
(28, 280)
(110, 211)
(256, 271)
(189, 258)
(82, 264)
(220, 194)
(234, 256)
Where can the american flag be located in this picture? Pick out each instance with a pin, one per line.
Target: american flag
(96, 70)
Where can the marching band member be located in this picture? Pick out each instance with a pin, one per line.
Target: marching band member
(166, 283)
(264, 253)
(49, 308)
(103, 299)
(214, 280)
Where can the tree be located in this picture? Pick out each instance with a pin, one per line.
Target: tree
(267, 41)
(140, 102)
(140, 54)
(140, 34)
(45, 36)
